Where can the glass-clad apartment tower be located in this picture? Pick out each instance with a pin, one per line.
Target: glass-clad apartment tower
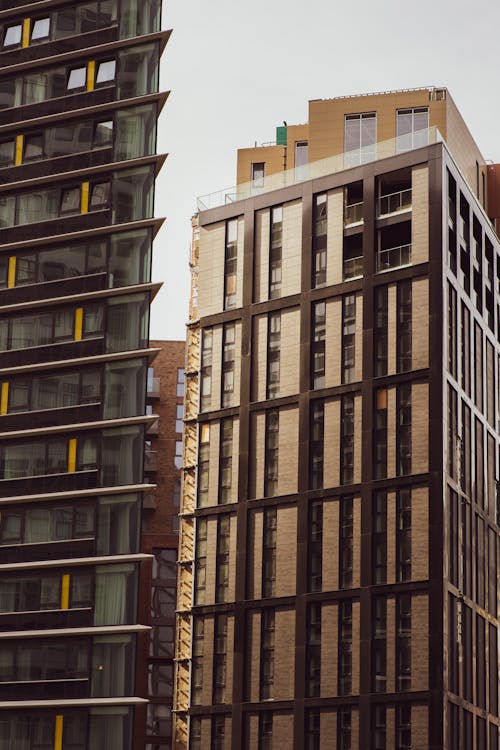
(79, 104)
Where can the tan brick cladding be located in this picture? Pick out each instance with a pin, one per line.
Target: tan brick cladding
(282, 730)
(290, 352)
(420, 214)
(256, 475)
(261, 255)
(232, 558)
(420, 533)
(328, 728)
(253, 657)
(420, 642)
(329, 649)
(331, 469)
(391, 537)
(358, 343)
(391, 646)
(358, 434)
(208, 661)
(356, 552)
(234, 466)
(237, 364)
(213, 471)
(272, 156)
(259, 358)
(420, 428)
(356, 625)
(229, 659)
(255, 542)
(330, 556)
(420, 727)
(355, 728)
(390, 723)
(211, 552)
(391, 432)
(211, 268)
(333, 342)
(239, 267)
(335, 236)
(215, 400)
(206, 732)
(420, 324)
(391, 328)
(284, 655)
(286, 551)
(288, 461)
(253, 732)
(292, 248)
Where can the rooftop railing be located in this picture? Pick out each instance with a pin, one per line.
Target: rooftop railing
(315, 169)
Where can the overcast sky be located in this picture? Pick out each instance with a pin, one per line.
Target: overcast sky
(238, 68)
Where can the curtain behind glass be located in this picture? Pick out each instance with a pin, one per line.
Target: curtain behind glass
(118, 525)
(125, 388)
(115, 587)
(112, 666)
(110, 729)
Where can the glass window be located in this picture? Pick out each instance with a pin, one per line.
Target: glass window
(7, 149)
(106, 71)
(360, 138)
(70, 200)
(40, 29)
(77, 78)
(412, 128)
(33, 147)
(115, 594)
(99, 196)
(258, 169)
(103, 133)
(180, 382)
(13, 35)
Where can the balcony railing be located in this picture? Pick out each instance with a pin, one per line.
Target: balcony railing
(151, 461)
(353, 268)
(392, 203)
(153, 387)
(319, 168)
(353, 214)
(393, 257)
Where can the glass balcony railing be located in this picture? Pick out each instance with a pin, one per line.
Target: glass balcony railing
(353, 214)
(313, 170)
(353, 267)
(393, 257)
(393, 203)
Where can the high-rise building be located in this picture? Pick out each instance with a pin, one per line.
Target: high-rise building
(79, 104)
(339, 544)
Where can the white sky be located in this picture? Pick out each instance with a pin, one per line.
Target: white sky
(238, 68)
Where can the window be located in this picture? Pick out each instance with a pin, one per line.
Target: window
(381, 323)
(180, 382)
(13, 35)
(27, 525)
(201, 560)
(316, 444)
(345, 646)
(70, 201)
(77, 78)
(379, 728)
(315, 547)
(228, 363)
(204, 465)
(103, 133)
(360, 138)
(403, 535)
(218, 732)
(275, 252)
(380, 436)
(230, 264)
(380, 537)
(403, 642)
(404, 325)
(41, 458)
(99, 196)
(105, 71)
(178, 454)
(33, 147)
(313, 659)
(346, 542)
(258, 171)
(206, 369)
(403, 726)
(273, 354)
(58, 390)
(220, 657)
(222, 559)
(197, 663)
(40, 29)
(347, 440)
(7, 151)
(266, 731)
(301, 160)
(318, 345)
(179, 418)
(403, 429)
(348, 337)
(379, 644)
(319, 240)
(344, 729)
(225, 460)
(270, 522)
(313, 730)
(412, 128)
(271, 453)
(267, 654)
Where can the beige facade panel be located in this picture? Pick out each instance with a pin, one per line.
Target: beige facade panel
(288, 461)
(329, 650)
(391, 432)
(253, 675)
(358, 341)
(290, 352)
(284, 655)
(295, 133)
(328, 729)
(420, 324)
(272, 156)
(420, 726)
(331, 536)
(420, 533)
(356, 552)
(465, 151)
(206, 732)
(282, 730)
(390, 722)
(213, 471)
(239, 266)
(261, 255)
(286, 551)
(391, 646)
(237, 364)
(255, 543)
(256, 478)
(356, 630)
(232, 557)
(215, 400)
(358, 435)
(292, 248)
(355, 728)
(259, 358)
(392, 312)
(333, 342)
(391, 537)
(208, 661)
(253, 732)
(211, 552)
(331, 469)
(420, 642)
(211, 269)
(420, 428)
(335, 236)
(420, 214)
(233, 498)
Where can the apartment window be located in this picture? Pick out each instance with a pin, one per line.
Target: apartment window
(403, 642)
(271, 453)
(319, 240)
(179, 418)
(99, 196)
(70, 200)
(273, 354)
(347, 440)
(360, 138)
(345, 647)
(404, 325)
(40, 29)
(105, 72)
(7, 153)
(228, 363)
(352, 256)
(380, 537)
(313, 731)
(222, 558)
(204, 465)
(201, 560)
(225, 460)
(77, 78)
(54, 391)
(103, 133)
(178, 454)
(380, 333)
(266, 731)
(181, 377)
(346, 542)
(313, 651)
(452, 330)
(230, 264)
(379, 728)
(403, 429)
(412, 128)
(258, 171)
(267, 653)
(379, 644)
(218, 732)
(316, 445)
(269, 552)
(275, 252)
(301, 160)
(195, 733)
(380, 436)
(206, 369)
(403, 535)
(13, 35)
(220, 658)
(318, 345)
(344, 729)
(348, 337)
(315, 547)
(197, 660)
(403, 726)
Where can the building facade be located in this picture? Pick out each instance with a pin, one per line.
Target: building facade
(78, 109)
(339, 525)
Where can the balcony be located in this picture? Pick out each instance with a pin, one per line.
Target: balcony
(394, 203)
(353, 268)
(393, 257)
(353, 214)
(150, 460)
(153, 388)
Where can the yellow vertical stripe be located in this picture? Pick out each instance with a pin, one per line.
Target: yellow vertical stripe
(19, 149)
(84, 200)
(91, 75)
(65, 591)
(26, 32)
(78, 323)
(72, 455)
(58, 734)
(11, 273)
(4, 400)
